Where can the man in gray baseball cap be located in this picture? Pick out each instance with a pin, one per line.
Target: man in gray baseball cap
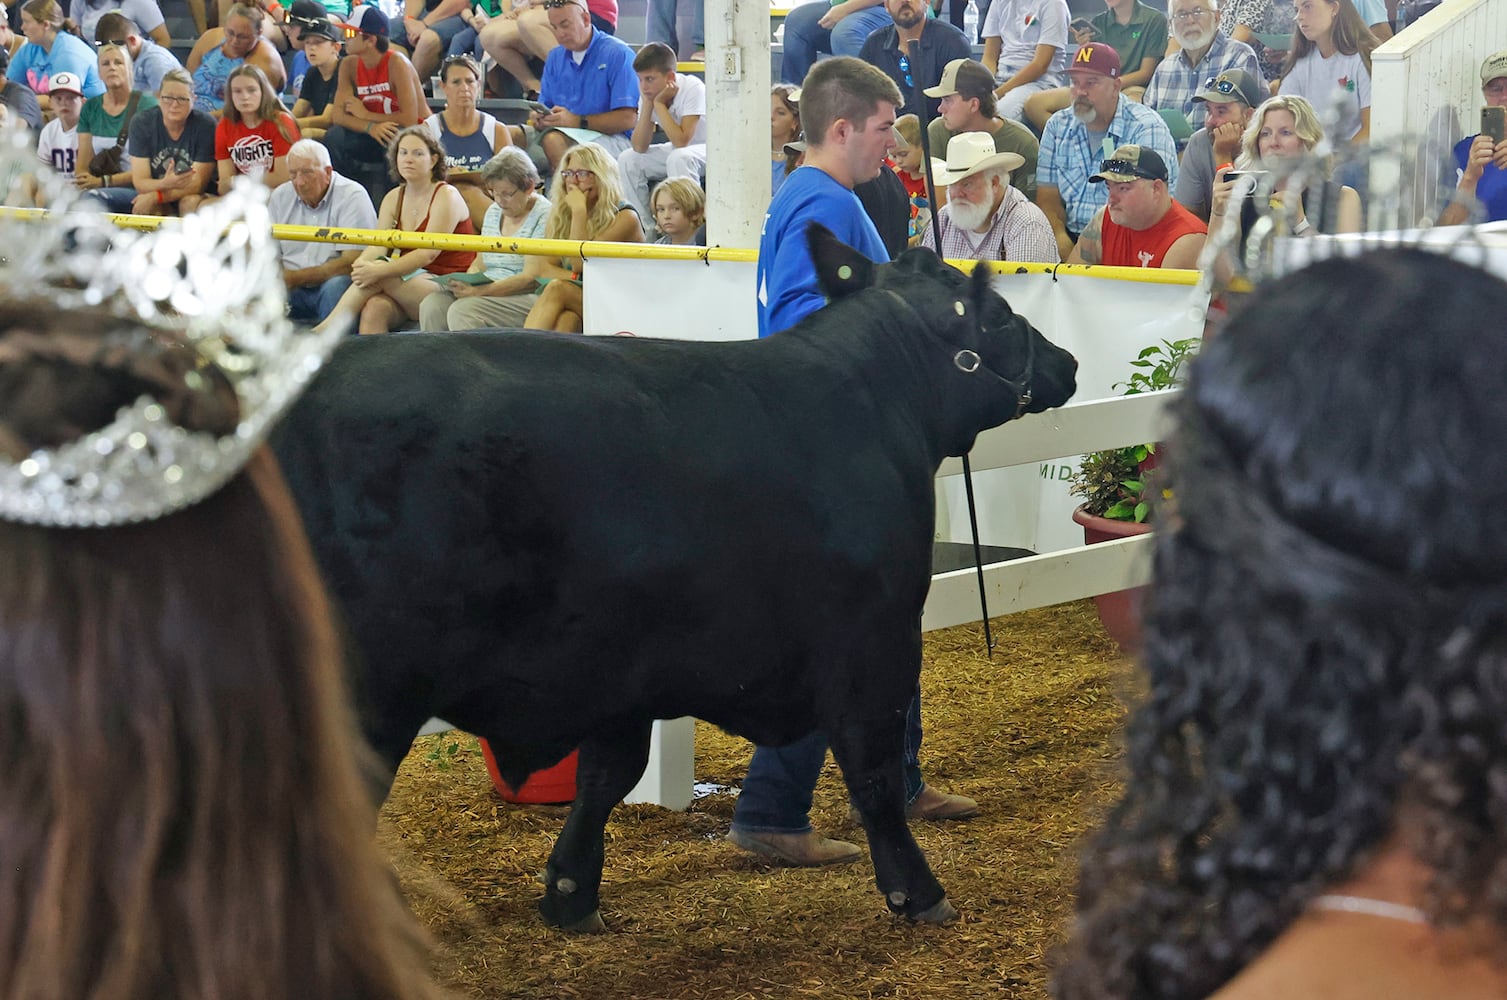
(1228, 99)
(1480, 193)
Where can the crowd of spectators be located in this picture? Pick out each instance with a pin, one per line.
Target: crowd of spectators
(1052, 102)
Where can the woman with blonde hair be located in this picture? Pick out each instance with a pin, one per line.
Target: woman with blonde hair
(1329, 65)
(389, 286)
(254, 135)
(103, 124)
(586, 203)
(1281, 146)
(52, 46)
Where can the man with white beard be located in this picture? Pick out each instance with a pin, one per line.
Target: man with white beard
(1078, 138)
(986, 218)
(1206, 53)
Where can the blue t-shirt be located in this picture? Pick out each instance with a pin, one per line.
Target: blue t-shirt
(33, 67)
(604, 80)
(788, 291)
(1491, 189)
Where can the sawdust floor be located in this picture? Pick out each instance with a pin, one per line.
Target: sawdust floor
(1031, 735)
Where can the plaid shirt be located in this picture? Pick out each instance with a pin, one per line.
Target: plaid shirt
(1019, 232)
(1175, 82)
(1068, 157)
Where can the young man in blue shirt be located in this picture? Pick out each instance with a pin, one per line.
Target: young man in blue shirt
(848, 109)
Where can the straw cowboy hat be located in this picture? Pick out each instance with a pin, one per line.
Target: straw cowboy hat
(969, 153)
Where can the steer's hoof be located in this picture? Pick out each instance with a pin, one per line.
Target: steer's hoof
(592, 924)
(941, 912)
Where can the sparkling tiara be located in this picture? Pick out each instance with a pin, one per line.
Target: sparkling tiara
(211, 282)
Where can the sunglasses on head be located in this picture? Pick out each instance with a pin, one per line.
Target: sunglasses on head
(1225, 87)
(112, 43)
(1124, 167)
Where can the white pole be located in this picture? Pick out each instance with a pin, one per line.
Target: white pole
(737, 95)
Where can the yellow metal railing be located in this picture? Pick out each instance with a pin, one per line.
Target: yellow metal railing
(591, 249)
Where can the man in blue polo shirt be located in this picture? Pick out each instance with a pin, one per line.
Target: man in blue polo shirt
(1481, 162)
(772, 816)
(588, 83)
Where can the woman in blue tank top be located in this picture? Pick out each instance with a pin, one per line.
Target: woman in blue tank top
(221, 50)
(470, 136)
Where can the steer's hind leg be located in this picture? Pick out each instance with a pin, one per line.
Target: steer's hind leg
(610, 764)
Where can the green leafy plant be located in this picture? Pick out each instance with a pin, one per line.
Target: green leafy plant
(1116, 483)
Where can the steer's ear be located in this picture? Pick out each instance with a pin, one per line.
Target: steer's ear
(840, 270)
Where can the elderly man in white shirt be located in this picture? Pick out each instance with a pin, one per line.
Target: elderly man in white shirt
(317, 274)
(985, 217)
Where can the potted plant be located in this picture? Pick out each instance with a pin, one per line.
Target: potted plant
(1117, 486)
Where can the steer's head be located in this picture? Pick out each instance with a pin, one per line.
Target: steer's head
(990, 363)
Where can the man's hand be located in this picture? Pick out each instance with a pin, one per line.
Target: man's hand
(414, 28)
(461, 290)
(1499, 155)
(176, 181)
(384, 131)
(667, 95)
(1084, 35)
(1482, 152)
(836, 13)
(1226, 140)
(145, 204)
(353, 106)
(560, 117)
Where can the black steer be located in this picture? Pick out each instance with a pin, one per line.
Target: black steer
(552, 541)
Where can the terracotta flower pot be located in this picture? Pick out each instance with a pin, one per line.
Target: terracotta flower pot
(1119, 612)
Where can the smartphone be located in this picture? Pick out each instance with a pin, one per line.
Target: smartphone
(1494, 123)
(1235, 175)
(543, 109)
(1080, 24)
(469, 278)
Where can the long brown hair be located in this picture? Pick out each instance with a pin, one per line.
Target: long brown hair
(182, 812)
(270, 109)
(1349, 32)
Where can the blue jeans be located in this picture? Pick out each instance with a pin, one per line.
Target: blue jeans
(467, 43)
(776, 795)
(661, 26)
(315, 302)
(116, 199)
(805, 39)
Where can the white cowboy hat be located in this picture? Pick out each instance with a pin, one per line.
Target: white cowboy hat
(967, 154)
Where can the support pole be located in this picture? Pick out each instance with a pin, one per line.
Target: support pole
(737, 99)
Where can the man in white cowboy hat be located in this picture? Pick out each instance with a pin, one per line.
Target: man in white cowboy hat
(1140, 225)
(985, 217)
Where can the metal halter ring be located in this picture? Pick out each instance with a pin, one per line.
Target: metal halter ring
(967, 361)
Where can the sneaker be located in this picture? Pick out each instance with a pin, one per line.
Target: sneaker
(804, 850)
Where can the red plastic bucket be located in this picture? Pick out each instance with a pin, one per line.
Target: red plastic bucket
(550, 786)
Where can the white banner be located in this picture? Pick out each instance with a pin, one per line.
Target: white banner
(1104, 322)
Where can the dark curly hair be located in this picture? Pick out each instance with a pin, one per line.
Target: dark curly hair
(1326, 637)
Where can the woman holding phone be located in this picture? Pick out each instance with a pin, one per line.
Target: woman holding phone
(1277, 165)
(500, 288)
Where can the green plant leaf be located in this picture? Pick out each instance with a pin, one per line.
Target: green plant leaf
(1133, 485)
(1141, 510)
(1122, 511)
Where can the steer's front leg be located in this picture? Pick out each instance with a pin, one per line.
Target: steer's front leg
(610, 764)
(869, 745)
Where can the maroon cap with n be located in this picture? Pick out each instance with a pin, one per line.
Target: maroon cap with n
(1096, 57)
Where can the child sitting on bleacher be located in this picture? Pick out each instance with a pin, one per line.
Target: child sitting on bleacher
(679, 207)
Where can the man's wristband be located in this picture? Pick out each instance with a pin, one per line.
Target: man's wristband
(161, 200)
(368, 128)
